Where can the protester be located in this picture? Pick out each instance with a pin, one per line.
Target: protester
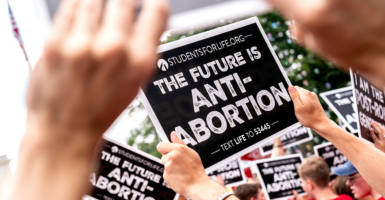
(250, 192)
(360, 188)
(97, 56)
(311, 114)
(338, 185)
(315, 177)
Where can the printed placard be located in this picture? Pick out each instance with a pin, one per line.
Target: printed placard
(126, 173)
(294, 137)
(232, 174)
(343, 104)
(333, 157)
(369, 103)
(224, 92)
(279, 177)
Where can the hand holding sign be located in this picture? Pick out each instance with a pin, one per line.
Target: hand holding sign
(307, 107)
(379, 140)
(184, 172)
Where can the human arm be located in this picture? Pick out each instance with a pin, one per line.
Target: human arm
(277, 148)
(184, 172)
(347, 32)
(93, 63)
(368, 160)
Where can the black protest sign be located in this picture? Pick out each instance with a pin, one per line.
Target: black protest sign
(294, 137)
(232, 174)
(331, 154)
(126, 173)
(279, 177)
(342, 102)
(224, 92)
(370, 104)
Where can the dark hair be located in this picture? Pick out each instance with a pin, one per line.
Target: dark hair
(246, 191)
(316, 169)
(339, 186)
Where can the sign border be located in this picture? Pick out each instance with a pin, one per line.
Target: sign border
(335, 110)
(273, 159)
(263, 153)
(201, 36)
(355, 98)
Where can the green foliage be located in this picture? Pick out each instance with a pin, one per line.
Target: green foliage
(304, 69)
(145, 138)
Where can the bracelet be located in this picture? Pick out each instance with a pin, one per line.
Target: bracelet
(278, 146)
(225, 195)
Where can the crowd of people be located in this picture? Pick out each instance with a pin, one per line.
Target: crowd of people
(316, 180)
(98, 54)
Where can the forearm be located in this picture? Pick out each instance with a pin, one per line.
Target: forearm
(46, 170)
(208, 190)
(368, 160)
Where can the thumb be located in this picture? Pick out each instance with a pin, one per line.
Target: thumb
(176, 139)
(294, 94)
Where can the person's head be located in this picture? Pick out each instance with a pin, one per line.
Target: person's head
(315, 174)
(339, 186)
(250, 192)
(360, 188)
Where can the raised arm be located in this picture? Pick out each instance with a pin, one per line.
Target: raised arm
(93, 63)
(368, 160)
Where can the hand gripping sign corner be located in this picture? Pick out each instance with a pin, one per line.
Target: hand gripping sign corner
(224, 92)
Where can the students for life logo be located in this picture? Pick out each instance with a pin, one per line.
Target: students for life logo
(114, 149)
(162, 64)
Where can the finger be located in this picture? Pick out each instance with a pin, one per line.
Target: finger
(295, 96)
(166, 147)
(64, 17)
(164, 159)
(151, 22)
(120, 15)
(374, 137)
(379, 130)
(295, 194)
(89, 15)
(377, 127)
(176, 139)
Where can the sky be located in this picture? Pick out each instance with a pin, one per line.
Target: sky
(14, 74)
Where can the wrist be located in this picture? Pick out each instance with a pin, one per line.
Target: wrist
(206, 189)
(322, 127)
(57, 142)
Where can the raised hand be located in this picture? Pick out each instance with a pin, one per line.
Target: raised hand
(348, 32)
(308, 109)
(94, 61)
(184, 172)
